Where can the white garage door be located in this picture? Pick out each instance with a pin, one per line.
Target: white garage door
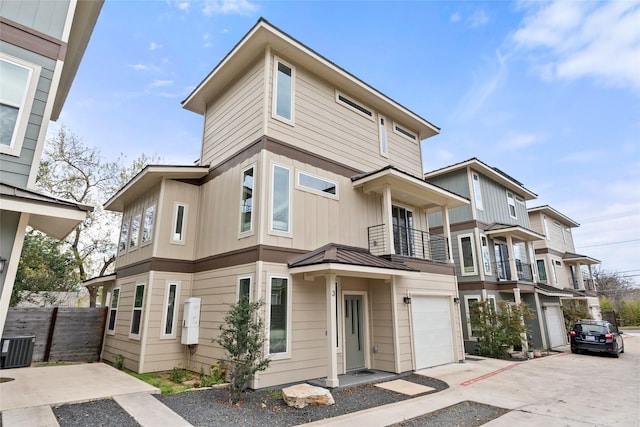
(432, 334)
(555, 326)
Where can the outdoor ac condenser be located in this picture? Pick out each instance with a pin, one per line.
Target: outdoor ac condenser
(191, 321)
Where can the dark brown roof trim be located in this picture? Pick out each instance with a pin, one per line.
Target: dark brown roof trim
(32, 40)
(549, 251)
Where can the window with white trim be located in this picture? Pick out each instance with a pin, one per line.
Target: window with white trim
(244, 288)
(147, 224)
(283, 90)
(546, 227)
(281, 199)
(179, 223)
(467, 255)
(542, 271)
(135, 231)
(486, 257)
(136, 314)
(382, 135)
(512, 204)
(476, 191)
(170, 312)
(17, 92)
(246, 200)
(124, 236)
(354, 106)
(113, 311)
(278, 312)
(314, 184)
(405, 133)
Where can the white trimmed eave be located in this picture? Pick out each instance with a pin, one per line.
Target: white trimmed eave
(320, 270)
(147, 178)
(553, 294)
(54, 220)
(263, 34)
(520, 233)
(582, 260)
(554, 214)
(108, 281)
(410, 190)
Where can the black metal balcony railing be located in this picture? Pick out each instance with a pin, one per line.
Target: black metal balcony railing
(503, 270)
(588, 284)
(408, 242)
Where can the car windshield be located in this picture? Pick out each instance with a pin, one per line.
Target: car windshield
(598, 329)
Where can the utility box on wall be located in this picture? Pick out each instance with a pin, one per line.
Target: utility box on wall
(191, 321)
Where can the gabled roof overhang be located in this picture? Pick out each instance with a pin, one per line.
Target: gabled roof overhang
(551, 291)
(54, 217)
(493, 173)
(515, 231)
(551, 212)
(147, 178)
(408, 189)
(582, 259)
(107, 281)
(264, 35)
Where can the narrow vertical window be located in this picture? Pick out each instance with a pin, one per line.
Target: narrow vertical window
(486, 258)
(147, 227)
(124, 236)
(246, 203)
(476, 191)
(467, 259)
(473, 315)
(512, 204)
(283, 91)
(135, 231)
(281, 199)
(179, 220)
(382, 134)
(546, 227)
(542, 271)
(278, 310)
(170, 311)
(244, 288)
(136, 315)
(113, 311)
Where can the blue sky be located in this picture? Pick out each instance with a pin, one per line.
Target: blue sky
(549, 92)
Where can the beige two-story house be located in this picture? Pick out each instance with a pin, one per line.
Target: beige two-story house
(309, 196)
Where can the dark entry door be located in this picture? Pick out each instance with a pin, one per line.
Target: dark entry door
(353, 332)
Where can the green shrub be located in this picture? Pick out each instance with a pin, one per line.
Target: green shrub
(118, 361)
(177, 375)
(216, 376)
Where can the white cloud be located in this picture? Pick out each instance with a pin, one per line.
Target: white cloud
(228, 7)
(161, 83)
(138, 67)
(478, 19)
(516, 141)
(154, 46)
(184, 6)
(572, 40)
(583, 156)
(455, 17)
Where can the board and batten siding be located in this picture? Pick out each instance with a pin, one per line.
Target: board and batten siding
(457, 182)
(332, 130)
(45, 16)
(235, 119)
(15, 169)
(382, 334)
(496, 207)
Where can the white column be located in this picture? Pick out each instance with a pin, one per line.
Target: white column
(11, 268)
(332, 336)
(387, 216)
(579, 274)
(531, 256)
(446, 230)
(516, 298)
(593, 282)
(512, 259)
(540, 322)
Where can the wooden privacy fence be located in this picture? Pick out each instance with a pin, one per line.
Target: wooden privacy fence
(62, 333)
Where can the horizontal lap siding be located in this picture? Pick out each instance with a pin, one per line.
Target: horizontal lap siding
(26, 321)
(381, 327)
(181, 193)
(236, 118)
(78, 334)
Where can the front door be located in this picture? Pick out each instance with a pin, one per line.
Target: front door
(353, 332)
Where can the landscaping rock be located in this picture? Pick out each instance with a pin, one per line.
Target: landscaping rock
(302, 395)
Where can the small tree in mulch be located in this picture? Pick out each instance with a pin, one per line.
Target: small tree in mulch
(242, 336)
(499, 329)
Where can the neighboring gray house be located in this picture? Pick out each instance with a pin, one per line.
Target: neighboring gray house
(492, 243)
(41, 45)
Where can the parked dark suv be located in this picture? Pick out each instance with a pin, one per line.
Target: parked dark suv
(596, 335)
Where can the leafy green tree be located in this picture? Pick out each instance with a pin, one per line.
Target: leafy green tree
(242, 336)
(45, 267)
(499, 329)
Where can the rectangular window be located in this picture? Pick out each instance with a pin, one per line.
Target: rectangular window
(179, 222)
(486, 257)
(546, 227)
(467, 258)
(353, 105)
(283, 91)
(317, 185)
(135, 231)
(136, 315)
(147, 225)
(113, 311)
(124, 236)
(476, 191)
(382, 135)
(542, 271)
(278, 315)
(280, 199)
(512, 204)
(246, 202)
(244, 288)
(170, 312)
(404, 132)
(473, 317)
(18, 83)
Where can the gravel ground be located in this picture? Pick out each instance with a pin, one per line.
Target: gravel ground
(211, 407)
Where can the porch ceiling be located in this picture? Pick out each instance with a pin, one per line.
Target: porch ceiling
(515, 231)
(408, 189)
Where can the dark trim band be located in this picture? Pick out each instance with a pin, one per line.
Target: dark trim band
(32, 40)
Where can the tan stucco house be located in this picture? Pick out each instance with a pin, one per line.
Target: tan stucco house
(308, 195)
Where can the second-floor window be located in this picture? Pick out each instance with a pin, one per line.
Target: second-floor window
(280, 200)
(382, 132)
(246, 202)
(147, 224)
(467, 256)
(486, 257)
(546, 227)
(124, 236)
(170, 311)
(314, 184)
(283, 91)
(511, 201)
(476, 191)
(179, 223)
(135, 231)
(136, 315)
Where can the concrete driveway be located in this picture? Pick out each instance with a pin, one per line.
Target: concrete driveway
(564, 389)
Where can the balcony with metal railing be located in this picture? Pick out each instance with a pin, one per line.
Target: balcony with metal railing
(408, 242)
(503, 270)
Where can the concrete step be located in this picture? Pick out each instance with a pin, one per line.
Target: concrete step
(149, 411)
(41, 416)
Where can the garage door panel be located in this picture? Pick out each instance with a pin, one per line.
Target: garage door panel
(433, 338)
(555, 326)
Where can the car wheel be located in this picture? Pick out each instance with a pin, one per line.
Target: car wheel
(616, 355)
(574, 350)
